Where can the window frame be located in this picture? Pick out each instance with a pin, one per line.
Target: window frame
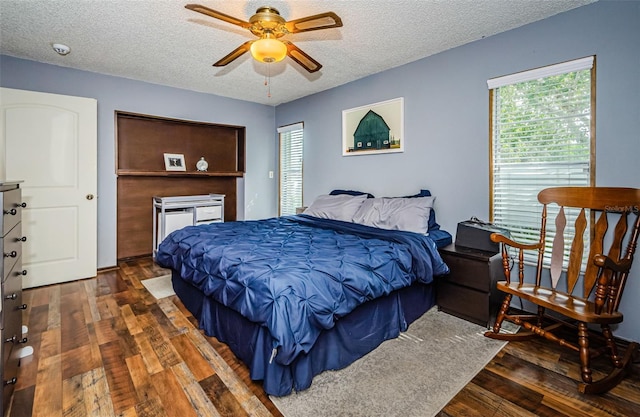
(587, 63)
(287, 132)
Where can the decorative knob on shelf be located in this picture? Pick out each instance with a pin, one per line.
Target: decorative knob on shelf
(202, 164)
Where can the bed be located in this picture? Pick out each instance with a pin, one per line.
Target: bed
(296, 295)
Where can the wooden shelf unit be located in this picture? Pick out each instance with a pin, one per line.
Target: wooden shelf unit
(127, 172)
(141, 142)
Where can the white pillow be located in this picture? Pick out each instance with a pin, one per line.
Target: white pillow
(408, 214)
(335, 207)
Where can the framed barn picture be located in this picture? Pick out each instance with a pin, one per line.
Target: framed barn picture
(374, 128)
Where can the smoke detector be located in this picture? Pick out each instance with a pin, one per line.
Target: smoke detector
(61, 49)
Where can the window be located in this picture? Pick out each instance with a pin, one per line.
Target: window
(291, 147)
(542, 136)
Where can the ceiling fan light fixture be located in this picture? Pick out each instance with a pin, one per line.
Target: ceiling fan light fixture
(268, 49)
(269, 27)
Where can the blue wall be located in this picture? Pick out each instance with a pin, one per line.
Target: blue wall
(447, 117)
(257, 194)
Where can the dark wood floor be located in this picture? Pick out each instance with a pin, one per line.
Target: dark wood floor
(106, 347)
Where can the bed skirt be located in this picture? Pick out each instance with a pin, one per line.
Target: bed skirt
(352, 337)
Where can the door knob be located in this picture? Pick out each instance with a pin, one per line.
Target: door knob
(89, 196)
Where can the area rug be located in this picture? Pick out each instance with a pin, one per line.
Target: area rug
(159, 287)
(414, 375)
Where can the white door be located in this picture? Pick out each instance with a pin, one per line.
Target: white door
(50, 142)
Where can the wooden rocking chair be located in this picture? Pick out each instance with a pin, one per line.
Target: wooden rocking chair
(606, 274)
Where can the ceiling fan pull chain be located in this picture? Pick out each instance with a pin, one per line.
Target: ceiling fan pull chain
(267, 80)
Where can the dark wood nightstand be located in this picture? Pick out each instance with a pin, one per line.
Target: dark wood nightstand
(469, 290)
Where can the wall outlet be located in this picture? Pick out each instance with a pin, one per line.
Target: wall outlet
(271, 174)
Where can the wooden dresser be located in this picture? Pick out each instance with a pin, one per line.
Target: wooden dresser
(11, 290)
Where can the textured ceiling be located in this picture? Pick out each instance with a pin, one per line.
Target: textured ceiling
(161, 42)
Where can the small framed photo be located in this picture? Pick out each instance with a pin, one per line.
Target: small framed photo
(174, 162)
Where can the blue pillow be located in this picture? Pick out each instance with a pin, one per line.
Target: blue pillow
(350, 192)
(422, 193)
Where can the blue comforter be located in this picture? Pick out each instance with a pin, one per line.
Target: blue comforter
(297, 275)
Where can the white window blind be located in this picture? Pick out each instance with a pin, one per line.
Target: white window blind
(541, 137)
(291, 151)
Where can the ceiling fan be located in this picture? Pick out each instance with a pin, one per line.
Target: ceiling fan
(269, 26)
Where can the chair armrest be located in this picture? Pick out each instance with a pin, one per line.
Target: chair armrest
(498, 238)
(603, 261)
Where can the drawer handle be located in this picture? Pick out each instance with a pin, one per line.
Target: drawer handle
(12, 381)
(23, 205)
(14, 339)
(24, 272)
(11, 297)
(12, 212)
(21, 239)
(22, 307)
(11, 254)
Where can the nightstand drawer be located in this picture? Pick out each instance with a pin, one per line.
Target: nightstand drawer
(464, 302)
(467, 272)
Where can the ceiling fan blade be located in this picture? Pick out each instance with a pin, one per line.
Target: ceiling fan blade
(302, 58)
(218, 15)
(316, 22)
(235, 54)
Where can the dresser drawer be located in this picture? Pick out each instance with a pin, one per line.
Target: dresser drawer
(11, 209)
(11, 303)
(12, 333)
(11, 361)
(11, 248)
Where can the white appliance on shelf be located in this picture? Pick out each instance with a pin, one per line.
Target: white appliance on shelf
(174, 213)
